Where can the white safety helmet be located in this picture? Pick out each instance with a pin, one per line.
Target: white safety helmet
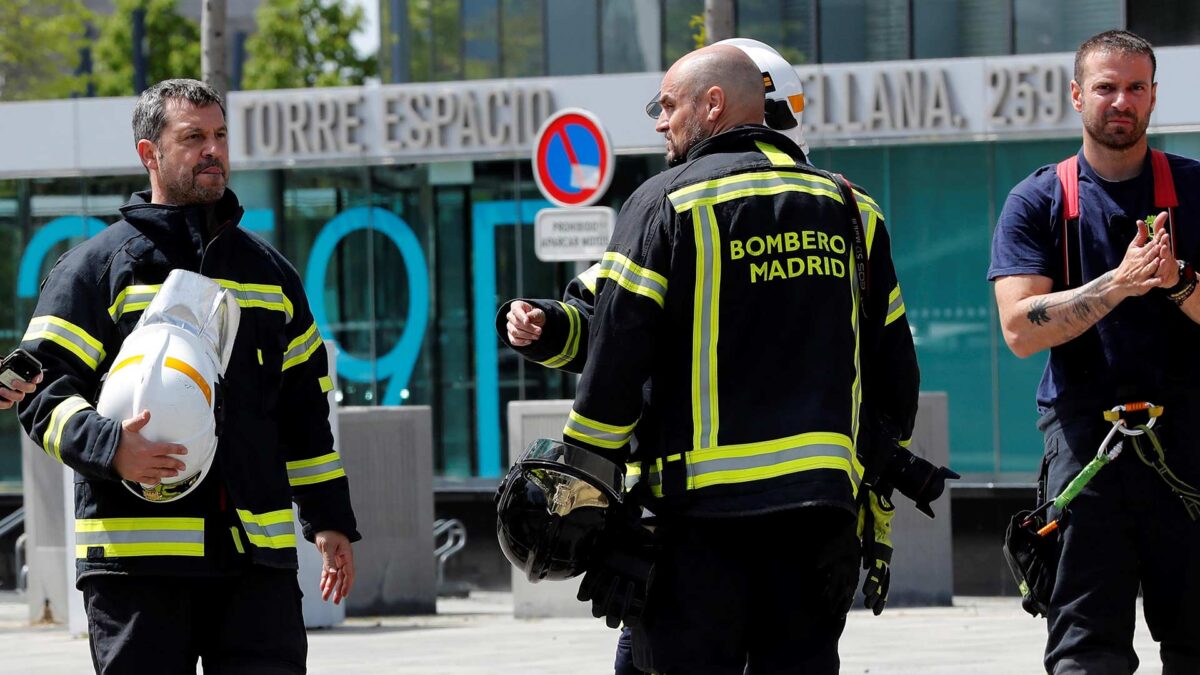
(171, 365)
(785, 92)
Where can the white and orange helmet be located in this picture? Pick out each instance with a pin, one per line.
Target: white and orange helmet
(171, 364)
(784, 106)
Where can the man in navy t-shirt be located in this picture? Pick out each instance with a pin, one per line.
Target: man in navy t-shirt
(1111, 296)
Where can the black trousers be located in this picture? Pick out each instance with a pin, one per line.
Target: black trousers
(765, 593)
(1125, 531)
(250, 623)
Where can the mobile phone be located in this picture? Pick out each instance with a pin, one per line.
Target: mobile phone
(19, 365)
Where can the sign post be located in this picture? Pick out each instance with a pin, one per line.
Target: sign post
(573, 165)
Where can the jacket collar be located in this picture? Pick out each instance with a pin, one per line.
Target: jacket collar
(202, 222)
(742, 139)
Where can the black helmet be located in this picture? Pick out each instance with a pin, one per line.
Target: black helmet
(552, 507)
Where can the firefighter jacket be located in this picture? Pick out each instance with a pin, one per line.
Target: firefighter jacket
(275, 443)
(730, 285)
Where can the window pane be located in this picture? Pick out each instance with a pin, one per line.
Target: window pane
(1165, 22)
(1061, 26)
(572, 37)
(481, 46)
(786, 25)
(949, 28)
(864, 30)
(523, 52)
(632, 36)
(683, 23)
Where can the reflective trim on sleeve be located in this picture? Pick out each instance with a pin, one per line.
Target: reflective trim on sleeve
(750, 462)
(633, 277)
(62, 414)
(68, 336)
(750, 184)
(326, 383)
(571, 347)
(705, 320)
(302, 347)
(237, 539)
(869, 211)
(132, 537)
(775, 155)
(596, 433)
(263, 296)
(133, 299)
(315, 470)
(588, 278)
(273, 529)
(895, 308)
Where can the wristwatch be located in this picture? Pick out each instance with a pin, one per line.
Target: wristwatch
(1186, 285)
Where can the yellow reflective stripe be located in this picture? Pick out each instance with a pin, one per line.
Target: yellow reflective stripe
(767, 459)
(856, 386)
(181, 366)
(133, 299)
(748, 184)
(571, 347)
(777, 156)
(866, 203)
(870, 219)
(315, 470)
(633, 277)
(300, 349)
(326, 383)
(68, 336)
(597, 433)
(63, 412)
(588, 278)
(273, 529)
(130, 537)
(263, 296)
(895, 308)
(705, 320)
(237, 539)
(905, 442)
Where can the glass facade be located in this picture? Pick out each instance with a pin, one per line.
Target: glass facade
(472, 39)
(406, 265)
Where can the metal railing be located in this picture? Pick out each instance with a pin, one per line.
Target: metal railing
(456, 538)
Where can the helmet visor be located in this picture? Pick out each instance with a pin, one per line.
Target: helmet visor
(565, 493)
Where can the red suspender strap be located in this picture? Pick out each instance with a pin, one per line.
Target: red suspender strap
(1164, 189)
(1068, 178)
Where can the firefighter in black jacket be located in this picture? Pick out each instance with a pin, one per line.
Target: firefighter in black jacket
(731, 284)
(211, 575)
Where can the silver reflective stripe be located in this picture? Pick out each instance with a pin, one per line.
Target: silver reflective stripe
(605, 437)
(704, 360)
(895, 306)
(253, 529)
(326, 467)
(100, 538)
(756, 181)
(768, 459)
(60, 332)
(133, 299)
(615, 269)
(302, 348)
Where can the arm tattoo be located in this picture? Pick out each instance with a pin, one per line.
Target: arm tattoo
(1084, 306)
(1037, 313)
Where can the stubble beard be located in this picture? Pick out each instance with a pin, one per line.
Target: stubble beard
(1094, 126)
(184, 190)
(693, 133)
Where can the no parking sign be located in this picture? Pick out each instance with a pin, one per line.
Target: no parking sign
(573, 158)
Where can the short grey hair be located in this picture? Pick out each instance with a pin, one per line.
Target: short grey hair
(150, 112)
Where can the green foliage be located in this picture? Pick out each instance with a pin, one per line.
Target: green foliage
(700, 34)
(172, 46)
(39, 48)
(305, 43)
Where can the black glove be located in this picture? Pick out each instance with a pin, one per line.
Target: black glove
(916, 478)
(879, 578)
(837, 571)
(618, 578)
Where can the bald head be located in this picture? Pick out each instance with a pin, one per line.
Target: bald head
(705, 93)
(733, 72)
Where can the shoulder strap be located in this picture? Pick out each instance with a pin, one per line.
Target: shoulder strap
(859, 239)
(1068, 178)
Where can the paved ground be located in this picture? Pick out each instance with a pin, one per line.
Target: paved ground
(979, 636)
